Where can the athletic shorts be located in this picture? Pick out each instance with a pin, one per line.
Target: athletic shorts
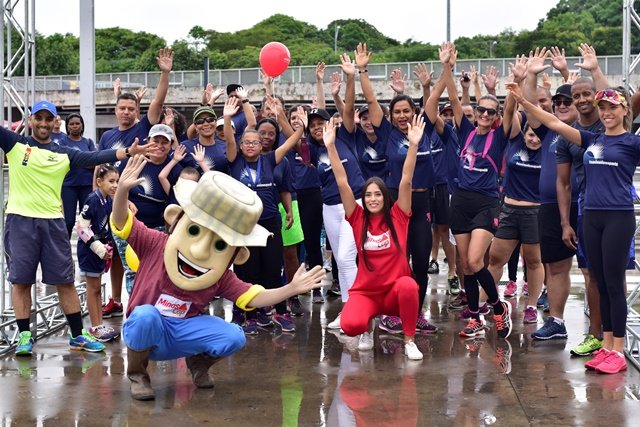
(519, 223)
(294, 235)
(471, 210)
(552, 248)
(32, 241)
(583, 261)
(90, 264)
(440, 204)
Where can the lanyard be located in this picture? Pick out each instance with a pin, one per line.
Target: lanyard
(254, 184)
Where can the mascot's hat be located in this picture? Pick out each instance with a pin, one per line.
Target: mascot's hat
(224, 206)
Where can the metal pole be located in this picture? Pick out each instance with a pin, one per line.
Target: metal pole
(448, 20)
(88, 67)
(335, 38)
(206, 71)
(626, 41)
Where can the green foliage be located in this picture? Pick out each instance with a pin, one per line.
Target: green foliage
(568, 24)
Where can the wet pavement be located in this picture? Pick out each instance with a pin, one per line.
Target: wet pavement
(317, 377)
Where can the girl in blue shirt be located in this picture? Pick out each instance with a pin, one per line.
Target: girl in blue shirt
(610, 161)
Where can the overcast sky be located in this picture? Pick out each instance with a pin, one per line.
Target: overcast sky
(420, 20)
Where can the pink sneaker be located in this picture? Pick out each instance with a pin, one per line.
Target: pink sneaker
(598, 358)
(612, 364)
(525, 289)
(530, 315)
(511, 289)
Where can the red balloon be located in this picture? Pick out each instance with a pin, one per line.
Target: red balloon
(274, 58)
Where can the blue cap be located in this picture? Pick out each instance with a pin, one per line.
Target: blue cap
(44, 105)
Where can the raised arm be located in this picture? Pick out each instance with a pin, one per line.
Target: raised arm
(590, 63)
(349, 69)
(511, 118)
(230, 108)
(320, 85)
(199, 157)
(549, 120)
(477, 90)
(336, 86)
(267, 81)
(398, 81)
(465, 84)
(250, 116)
(535, 66)
(425, 77)
(559, 61)
(346, 195)
(431, 104)
(178, 155)
(414, 135)
(165, 63)
(490, 80)
(128, 180)
(448, 55)
(293, 139)
(362, 60)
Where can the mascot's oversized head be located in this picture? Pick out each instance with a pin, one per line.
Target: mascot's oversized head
(216, 220)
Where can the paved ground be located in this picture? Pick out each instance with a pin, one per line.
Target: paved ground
(316, 377)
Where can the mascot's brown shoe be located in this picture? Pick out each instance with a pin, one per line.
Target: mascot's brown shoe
(137, 362)
(199, 365)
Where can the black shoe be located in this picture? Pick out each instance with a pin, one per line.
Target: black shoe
(262, 318)
(434, 268)
(317, 297)
(335, 289)
(295, 306)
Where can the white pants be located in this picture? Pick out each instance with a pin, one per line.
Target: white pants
(343, 245)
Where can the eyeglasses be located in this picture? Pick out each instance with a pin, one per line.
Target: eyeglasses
(208, 119)
(489, 111)
(562, 101)
(250, 143)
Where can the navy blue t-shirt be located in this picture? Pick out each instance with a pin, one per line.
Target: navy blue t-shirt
(478, 173)
(609, 163)
(149, 197)
(215, 156)
(78, 177)
(549, 171)
(97, 209)
(115, 138)
(329, 187)
(259, 176)
(522, 177)
(567, 152)
(240, 122)
(371, 155)
(397, 146)
(283, 178)
(305, 175)
(58, 137)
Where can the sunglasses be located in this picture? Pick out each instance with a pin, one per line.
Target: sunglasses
(489, 111)
(562, 101)
(209, 119)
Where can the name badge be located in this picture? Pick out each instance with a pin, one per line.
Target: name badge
(172, 307)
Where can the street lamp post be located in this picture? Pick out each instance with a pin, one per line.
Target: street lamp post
(491, 45)
(335, 38)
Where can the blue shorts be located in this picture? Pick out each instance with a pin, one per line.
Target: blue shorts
(581, 254)
(89, 262)
(32, 241)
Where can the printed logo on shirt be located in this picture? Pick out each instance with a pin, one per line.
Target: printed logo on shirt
(469, 160)
(170, 306)
(521, 158)
(595, 153)
(210, 162)
(323, 159)
(117, 144)
(403, 148)
(377, 242)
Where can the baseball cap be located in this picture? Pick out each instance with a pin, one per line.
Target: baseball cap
(220, 122)
(319, 112)
(563, 90)
(612, 96)
(445, 107)
(46, 106)
(161, 130)
(363, 109)
(202, 110)
(232, 87)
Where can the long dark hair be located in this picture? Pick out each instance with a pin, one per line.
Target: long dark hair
(386, 212)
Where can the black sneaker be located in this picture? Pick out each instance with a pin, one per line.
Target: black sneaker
(295, 306)
(434, 268)
(317, 297)
(262, 318)
(335, 289)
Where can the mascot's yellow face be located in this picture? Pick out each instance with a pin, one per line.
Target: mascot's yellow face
(195, 257)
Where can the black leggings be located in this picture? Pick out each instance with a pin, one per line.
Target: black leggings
(310, 208)
(264, 264)
(608, 237)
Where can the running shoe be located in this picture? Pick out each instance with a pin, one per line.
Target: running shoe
(434, 268)
(365, 341)
(473, 329)
(550, 330)
(391, 324)
(530, 315)
(335, 289)
(336, 323)
(459, 302)
(466, 313)
(589, 345)
(25, 344)
(598, 357)
(424, 327)
(511, 289)
(525, 289)
(285, 322)
(543, 300)
(250, 327)
(612, 364)
(263, 318)
(412, 352)
(317, 297)
(104, 333)
(454, 285)
(295, 306)
(390, 344)
(85, 342)
(112, 309)
(503, 321)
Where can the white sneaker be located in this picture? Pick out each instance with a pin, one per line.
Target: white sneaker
(336, 323)
(366, 341)
(412, 352)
